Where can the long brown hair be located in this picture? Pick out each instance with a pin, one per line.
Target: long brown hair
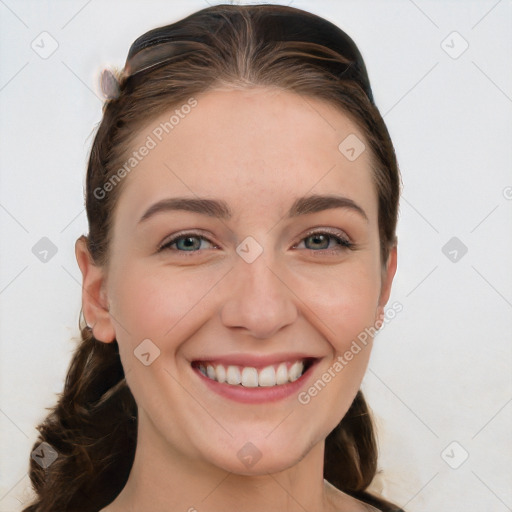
(93, 427)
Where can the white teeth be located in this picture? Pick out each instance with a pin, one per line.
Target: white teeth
(233, 375)
(296, 370)
(221, 374)
(267, 376)
(282, 374)
(250, 377)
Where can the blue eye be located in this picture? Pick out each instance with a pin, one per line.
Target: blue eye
(189, 242)
(322, 241)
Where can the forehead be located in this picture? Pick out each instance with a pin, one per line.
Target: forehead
(261, 147)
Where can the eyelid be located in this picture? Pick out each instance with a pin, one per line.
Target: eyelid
(172, 239)
(333, 232)
(344, 242)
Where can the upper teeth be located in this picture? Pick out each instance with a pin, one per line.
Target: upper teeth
(250, 377)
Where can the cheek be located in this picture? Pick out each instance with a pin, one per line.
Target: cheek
(160, 305)
(148, 302)
(343, 302)
(344, 312)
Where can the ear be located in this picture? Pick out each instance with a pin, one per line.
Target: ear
(388, 273)
(94, 298)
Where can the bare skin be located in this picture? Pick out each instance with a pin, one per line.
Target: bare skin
(258, 150)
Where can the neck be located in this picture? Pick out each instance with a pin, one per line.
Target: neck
(163, 480)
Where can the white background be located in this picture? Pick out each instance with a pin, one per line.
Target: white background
(440, 371)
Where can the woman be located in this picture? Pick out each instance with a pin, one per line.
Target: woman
(242, 196)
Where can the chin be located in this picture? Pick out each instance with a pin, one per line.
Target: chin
(260, 457)
(269, 464)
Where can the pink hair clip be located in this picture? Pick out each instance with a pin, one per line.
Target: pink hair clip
(109, 84)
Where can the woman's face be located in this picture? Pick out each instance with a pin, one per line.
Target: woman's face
(253, 286)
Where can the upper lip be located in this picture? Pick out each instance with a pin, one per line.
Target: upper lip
(254, 360)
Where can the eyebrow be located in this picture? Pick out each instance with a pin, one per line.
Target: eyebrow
(220, 209)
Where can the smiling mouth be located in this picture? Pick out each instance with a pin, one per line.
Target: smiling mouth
(250, 377)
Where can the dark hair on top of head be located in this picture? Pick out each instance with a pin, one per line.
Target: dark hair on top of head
(272, 24)
(93, 427)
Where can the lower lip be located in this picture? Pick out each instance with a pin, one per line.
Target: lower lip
(256, 395)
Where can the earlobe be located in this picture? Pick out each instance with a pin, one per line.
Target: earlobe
(94, 298)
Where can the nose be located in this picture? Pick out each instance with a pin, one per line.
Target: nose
(259, 300)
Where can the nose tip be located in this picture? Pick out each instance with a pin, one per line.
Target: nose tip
(258, 300)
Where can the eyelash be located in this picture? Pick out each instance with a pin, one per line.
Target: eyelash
(343, 243)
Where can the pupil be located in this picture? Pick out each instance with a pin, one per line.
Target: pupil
(319, 238)
(188, 242)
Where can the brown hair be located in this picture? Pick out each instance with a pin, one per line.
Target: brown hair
(93, 427)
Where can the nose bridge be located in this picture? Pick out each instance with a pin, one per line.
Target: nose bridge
(258, 299)
(258, 280)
